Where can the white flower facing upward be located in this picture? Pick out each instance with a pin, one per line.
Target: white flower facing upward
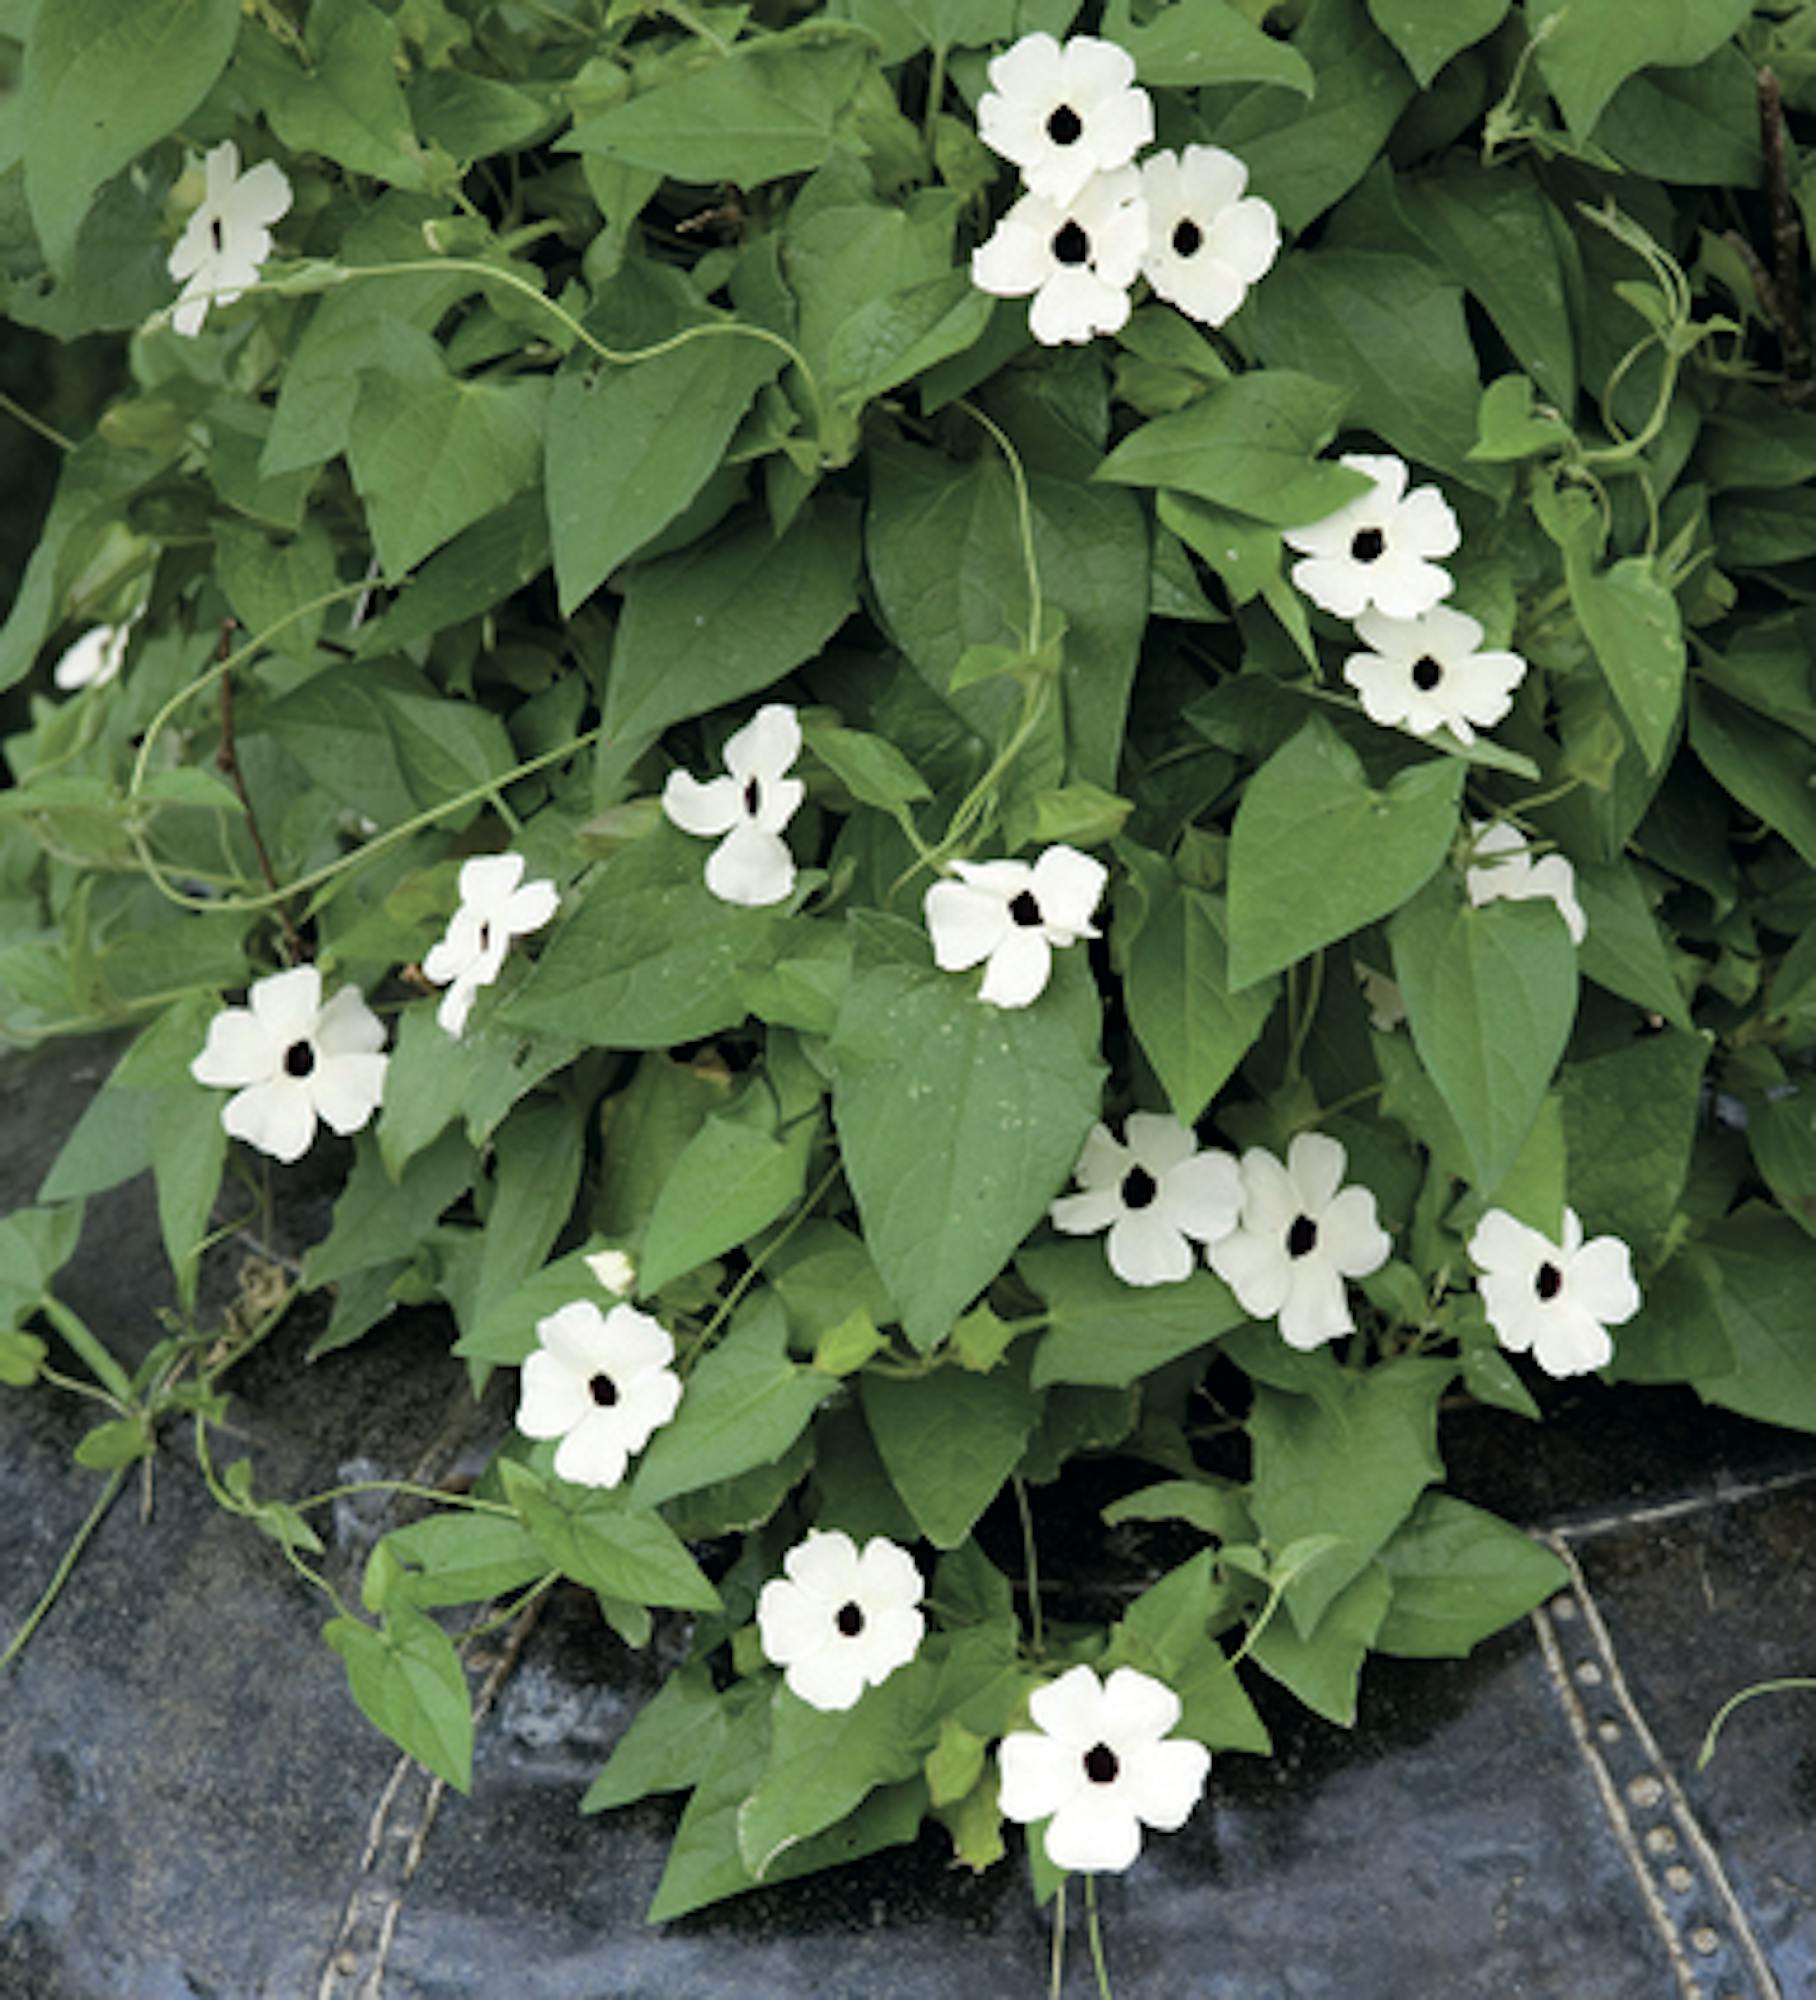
(95, 659)
(1155, 1193)
(1554, 1300)
(841, 1620)
(1078, 258)
(291, 1061)
(602, 1384)
(1503, 866)
(1380, 549)
(1010, 916)
(1429, 672)
(1207, 240)
(1301, 1235)
(229, 235)
(750, 807)
(493, 910)
(1064, 114)
(1099, 1765)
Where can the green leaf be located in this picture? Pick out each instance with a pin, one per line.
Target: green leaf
(1766, 768)
(102, 83)
(121, 1441)
(766, 110)
(1459, 1574)
(1204, 41)
(745, 1404)
(1250, 445)
(408, 1682)
(1387, 332)
(35, 1244)
(1694, 126)
(733, 1180)
(1586, 53)
(670, 1745)
(1307, 814)
(651, 957)
(950, 1439)
(630, 446)
(189, 1148)
(1191, 1026)
(536, 1167)
(1629, 1121)
(1165, 1633)
(1624, 949)
(377, 1217)
(1490, 995)
(609, 1543)
(464, 1558)
(1323, 1668)
(431, 453)
(433, 1079)
(1631, 620)
(1765, 1267)
(1781, 1128)
(21, 1356)
(958, 1121)
(727, 617)
(1106, 1334)
(1359, 1460)
(346, 104)
(1216, 1511)
(870, 768)
(1429, 32)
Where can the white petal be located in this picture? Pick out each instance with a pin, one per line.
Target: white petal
(1425, 524)
(887, 1576)
(1074, 304)
(791, 1624)
(703, 810)
(1255, 1269)
(486, 883)
(457, 950)
(631, 1342)
(1091, 1836)
(1157, 1141)
(1350, 1234)
(767, 744)
(1164, 1781)
(594, 1452)
(1038, 1775)
(1103, 1161)
(1071, 1709)
(347, 1026)
(751, 868)
(826, 1564)
(456, 1005)
(1136, 1705)
(288, 1004)
(1270, 1195)
(261, 195)
(1085, 1214)
(348, 1089)
(277, 1117)
(1333, 583)
(1314, 1163)
(1016, 975)
(531, 907)
(1600, 1280)
(1145, 1249)
(831, 1680)
(1571, 1341)
(965, 924)
(1203, 1196)
(552, 1396)
(1316, 1307)
(238, 1051)
(1016, 260)
(1067, 886)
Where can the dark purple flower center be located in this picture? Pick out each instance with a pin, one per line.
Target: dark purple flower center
(485, 935)
(1302, 1238)
(1426, 673)
(1024, 910)
(1139, 1187)
(1071, 245)
(299, 1059)
(1101, 1764)
(1188, 239)
(1368, 544)
(753, 796)
(850, 1619)
(217, 233)
(603, 1390)
(1548, 1282)
(1064, 126)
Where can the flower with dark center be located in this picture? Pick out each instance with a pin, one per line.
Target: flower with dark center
(1431, 672)
(228, 237)
(1300, 1236)
(1064, 113)
(293, 1062)
(839, 1619)
(1010, 917)
(1099, 1764)
(749, 807)
(1072, 245)
(1380, 551)
(1076, 259)
(496, 905)
(1155, 1193)
(1208, 240)
(600, 1382)
(1553, 1300)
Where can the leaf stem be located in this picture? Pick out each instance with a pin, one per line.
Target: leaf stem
(1094, 1934)
(1036, 1638)
(90, 1347)
(33, 422)
(60, 1576)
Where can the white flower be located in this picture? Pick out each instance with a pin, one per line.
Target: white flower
(1096, 1769)
(1555, 1299)
(1427, 673)
(615, 1270)
(601, 1383)
(1299, 1238)
(1151, 1191)
(1078, 258)
(290, 1061)
(752, 864)
(1012, 915)
(1065, 114)
(1386, 1003)
(493, 910)
(229, 235)
(1378, 548)
(95, 658)
(1207, 240)
(841, 1621)
(1504, 867)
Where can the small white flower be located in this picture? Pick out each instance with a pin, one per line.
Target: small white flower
(615, 1270)
(752, 864)
(1555, 1299)
(1097, 1769)
(1152, 1191)
(1207, 240)
(1427, 673)
(1078, 258)
(601, 1383)
(1378, 549)
(493, 910)
(1301, 1235)
(95, 659)
(290, 1061)
(229, 235)
(1065, 114)
(1386, 1003)
(1504, 867)
(1012, 914)
(841, 1621)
